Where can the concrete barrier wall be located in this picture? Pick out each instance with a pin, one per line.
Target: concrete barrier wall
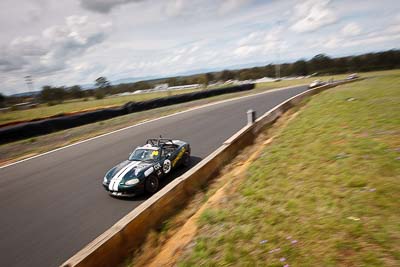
(121, 240)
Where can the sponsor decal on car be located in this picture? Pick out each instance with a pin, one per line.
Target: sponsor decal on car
(157, 166)
(179, 156)
(148, 171)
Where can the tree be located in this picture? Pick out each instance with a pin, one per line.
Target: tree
(52, 95)
(102, 82)
(209, 77)
(355, 64)
(76, 92)
(103, 85)
(245, 75)
(201, 80)
(2, 100)
(321, 63)
(299, 68)
(142, 85)
(172, 81)
(99, 94)
(227, 75)
(46, 93)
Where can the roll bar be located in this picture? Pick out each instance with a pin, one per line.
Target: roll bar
(159, 141)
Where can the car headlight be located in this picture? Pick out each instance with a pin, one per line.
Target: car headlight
(132, 181)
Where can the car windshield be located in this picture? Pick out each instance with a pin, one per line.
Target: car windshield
(142, 154)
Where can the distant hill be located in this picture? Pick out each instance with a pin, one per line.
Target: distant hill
(26, 94)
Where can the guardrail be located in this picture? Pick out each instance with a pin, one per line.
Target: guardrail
(119, 241)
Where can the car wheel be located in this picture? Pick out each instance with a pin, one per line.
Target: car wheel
(187, 160)
(151, 184)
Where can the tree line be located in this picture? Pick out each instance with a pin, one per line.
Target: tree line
(324, 65)
(320, 64)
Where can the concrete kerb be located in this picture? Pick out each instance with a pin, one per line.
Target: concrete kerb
(119, 242)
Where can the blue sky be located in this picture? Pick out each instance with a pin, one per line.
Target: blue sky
(74, 42)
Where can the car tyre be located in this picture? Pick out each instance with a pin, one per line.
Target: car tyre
(187, 160)
(151, 184)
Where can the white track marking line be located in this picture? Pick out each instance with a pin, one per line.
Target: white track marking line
(152, 120)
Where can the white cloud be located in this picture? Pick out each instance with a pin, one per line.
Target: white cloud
(351, 29)
(258, 37)
(372, 40)
(332, 42)
(175, 7)
(312, 15)
(57, 44)
(248, 50)
(261, 44)
(252, 38)
(231, 5)
(351, 36)
(104, 6)
(166, 37)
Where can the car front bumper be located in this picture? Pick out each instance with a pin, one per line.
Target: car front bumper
(126, 190)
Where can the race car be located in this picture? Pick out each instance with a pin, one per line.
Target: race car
(316, 83)
(146, 165)
(352, 76)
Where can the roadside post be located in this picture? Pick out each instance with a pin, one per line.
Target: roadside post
(251, 116)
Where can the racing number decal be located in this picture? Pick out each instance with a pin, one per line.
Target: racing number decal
(167, 166)
(157, 166)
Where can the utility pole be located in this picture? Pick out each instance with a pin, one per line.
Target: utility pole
(29, 83)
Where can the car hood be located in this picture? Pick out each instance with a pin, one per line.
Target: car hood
(128, 170)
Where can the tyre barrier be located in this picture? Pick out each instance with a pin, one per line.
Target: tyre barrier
(34, 128)
(126, 236)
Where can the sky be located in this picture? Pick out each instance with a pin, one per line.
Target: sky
(76, 41)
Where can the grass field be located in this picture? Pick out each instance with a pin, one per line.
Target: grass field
(79, 104)
(324, 193)
(285, 83)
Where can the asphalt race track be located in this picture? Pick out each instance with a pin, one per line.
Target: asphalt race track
(53, 205)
